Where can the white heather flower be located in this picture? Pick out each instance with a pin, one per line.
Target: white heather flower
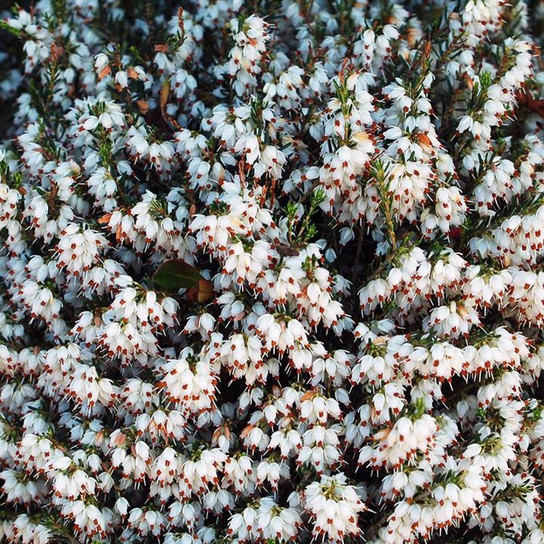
(334, 506)
(288, 252)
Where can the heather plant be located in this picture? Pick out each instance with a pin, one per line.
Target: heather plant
(272, 272)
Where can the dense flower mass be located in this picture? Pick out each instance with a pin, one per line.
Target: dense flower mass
(272, 272)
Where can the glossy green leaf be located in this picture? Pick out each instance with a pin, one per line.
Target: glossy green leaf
(176, 274)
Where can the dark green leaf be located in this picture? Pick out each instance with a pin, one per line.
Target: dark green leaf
(177, 273)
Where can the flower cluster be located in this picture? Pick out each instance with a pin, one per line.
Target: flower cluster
(272, 272)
